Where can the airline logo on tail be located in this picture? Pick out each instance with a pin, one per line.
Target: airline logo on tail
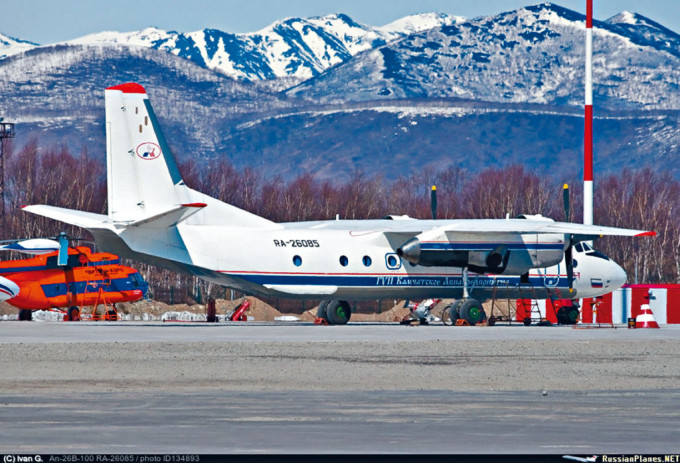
(148, 151)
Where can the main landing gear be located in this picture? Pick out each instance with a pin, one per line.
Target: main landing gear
(466, 309)
(334, 312)
(469, 311)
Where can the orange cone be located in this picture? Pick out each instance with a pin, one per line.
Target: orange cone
(646, 318)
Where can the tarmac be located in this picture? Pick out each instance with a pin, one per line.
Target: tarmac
(297, 388)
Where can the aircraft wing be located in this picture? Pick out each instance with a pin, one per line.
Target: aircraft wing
(539, 226)
(491, 227)
(591, 231)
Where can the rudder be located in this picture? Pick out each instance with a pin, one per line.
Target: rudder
(142, 175)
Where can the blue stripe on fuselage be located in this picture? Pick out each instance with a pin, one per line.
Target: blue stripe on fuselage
(22, 269)
(80, 287)
(402, 280)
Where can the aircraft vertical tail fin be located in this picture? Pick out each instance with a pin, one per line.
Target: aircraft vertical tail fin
(144, 183)
(142, 175)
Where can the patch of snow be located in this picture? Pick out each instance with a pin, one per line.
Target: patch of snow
(625, 17)
(183, 316)
(47, 316)
(10, 46)
(420, 22)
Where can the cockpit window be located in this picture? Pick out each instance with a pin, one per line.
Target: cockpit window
(578, 248)
(587, 247)
(597, 254)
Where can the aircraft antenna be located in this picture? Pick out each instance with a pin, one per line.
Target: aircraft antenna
(6, 131)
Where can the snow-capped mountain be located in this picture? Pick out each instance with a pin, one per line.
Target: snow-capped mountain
(531, 55)
(10, 46)
(293, 48)
(466, 93)
(57, 94)
(645, 32)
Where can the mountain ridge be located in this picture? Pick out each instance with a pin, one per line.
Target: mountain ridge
(406, 104)
(291, 47)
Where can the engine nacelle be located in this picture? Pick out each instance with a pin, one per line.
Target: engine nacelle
(503, 253)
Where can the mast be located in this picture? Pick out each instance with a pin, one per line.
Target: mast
(588, 134)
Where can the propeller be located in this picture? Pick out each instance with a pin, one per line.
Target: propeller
(568, 253)
(433, 202)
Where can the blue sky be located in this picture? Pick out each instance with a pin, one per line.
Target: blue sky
(47, 21)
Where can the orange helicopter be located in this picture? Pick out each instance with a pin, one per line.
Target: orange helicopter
(60, 276)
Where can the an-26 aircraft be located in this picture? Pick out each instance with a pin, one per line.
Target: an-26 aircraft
(154, 217)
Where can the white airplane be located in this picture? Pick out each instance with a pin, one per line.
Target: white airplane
(155, 218)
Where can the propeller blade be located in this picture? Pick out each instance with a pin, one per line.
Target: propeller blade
(565, 200)
(568, 258)
(433, 201)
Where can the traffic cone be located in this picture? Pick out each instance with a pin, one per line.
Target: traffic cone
(646, 318)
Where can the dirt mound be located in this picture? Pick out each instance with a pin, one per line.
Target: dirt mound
(258, 310)
(309, 315)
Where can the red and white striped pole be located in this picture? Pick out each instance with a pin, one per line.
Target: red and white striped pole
(588, 138)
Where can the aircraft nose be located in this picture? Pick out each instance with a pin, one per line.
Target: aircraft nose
(618, 276)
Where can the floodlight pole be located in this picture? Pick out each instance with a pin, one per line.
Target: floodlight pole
(6, 131)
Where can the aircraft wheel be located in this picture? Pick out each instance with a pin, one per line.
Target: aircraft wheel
(451, 312)
(567, 315)
(321, 310)
(25, 315)
(74, 314)
(472, 311)
(113, 316)
(338, 312)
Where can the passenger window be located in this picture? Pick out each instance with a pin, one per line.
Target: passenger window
(297, 260)
(367, 261)
(344, 261)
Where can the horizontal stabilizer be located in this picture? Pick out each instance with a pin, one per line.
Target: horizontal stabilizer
(170, 217)
(78, 218)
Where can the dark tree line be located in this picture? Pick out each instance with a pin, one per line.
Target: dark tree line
(633, 199)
